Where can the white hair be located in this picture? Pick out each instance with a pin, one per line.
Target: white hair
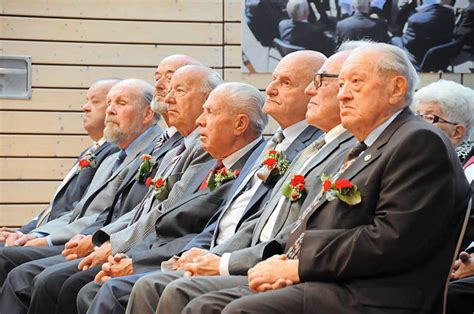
(297, 9)
(395, 60)
(246, 98)
(353, 44)
(361, 5)
(456, 102)
(211, 81)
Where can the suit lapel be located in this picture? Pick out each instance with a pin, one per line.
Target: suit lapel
(370, 155)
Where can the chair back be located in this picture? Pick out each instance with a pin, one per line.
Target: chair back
(284, 47)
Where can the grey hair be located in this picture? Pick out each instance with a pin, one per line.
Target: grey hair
(246, 98)
(395, 60)
(145, 91)
(456, 102)
(361, 5)
(297, 9)
(211, 81)
(350, 45)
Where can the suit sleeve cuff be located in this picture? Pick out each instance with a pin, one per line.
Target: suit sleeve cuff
(224, 264)
(100, 237)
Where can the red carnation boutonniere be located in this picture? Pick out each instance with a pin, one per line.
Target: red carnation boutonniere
(219, 177)
(87, 161)
(294, 189)
(273, 166)
(145, 167)
(160, 187)
(342, 189)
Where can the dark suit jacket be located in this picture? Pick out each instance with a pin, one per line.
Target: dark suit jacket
(361, 26)
(67, 198)
(209, 235)
(465, 28)
(176, 226)
(431, 26)
(307, 35)
(393, 251)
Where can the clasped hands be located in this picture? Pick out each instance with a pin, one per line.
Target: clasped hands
(16, 238)
(463, 267)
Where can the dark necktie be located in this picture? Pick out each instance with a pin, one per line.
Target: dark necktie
(161, 140)
(297, 234)
(216, 168)
(120, 159)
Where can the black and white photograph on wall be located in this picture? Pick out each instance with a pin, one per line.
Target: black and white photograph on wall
(438, 34)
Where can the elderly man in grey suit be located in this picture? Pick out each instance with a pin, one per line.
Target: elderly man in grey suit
(232, 257)
(248, 192)
(131, 124)
(188, 158)
(77, 180)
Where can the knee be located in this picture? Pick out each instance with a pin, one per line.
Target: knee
(143, 284)
(85, 297)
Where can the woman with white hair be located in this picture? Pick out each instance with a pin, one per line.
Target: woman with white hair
(449, 106)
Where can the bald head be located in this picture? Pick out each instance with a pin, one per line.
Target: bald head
(94, 109)
(163, 74)
(286, 101)
(189, 88)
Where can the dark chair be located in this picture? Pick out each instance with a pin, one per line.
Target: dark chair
(438, 58)
(285, 47)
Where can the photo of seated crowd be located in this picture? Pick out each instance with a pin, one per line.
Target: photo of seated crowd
(360, 201)
(438, 34)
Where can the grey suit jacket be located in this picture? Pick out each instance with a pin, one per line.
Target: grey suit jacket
(100, 195)
(195, 163)
(245, 257)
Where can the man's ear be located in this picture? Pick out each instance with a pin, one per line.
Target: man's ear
(149, 114)
(241, 123)
(458, 133)
(398, 90)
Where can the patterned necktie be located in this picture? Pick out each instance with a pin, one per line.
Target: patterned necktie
(276, 139)
(161, 140)
(294, 250)
(121, 157)
(216, 168)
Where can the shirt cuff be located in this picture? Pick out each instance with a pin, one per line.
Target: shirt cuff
(224, 264)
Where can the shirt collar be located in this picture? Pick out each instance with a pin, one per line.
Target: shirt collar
(100, 142)
(294, 130)
(334, 133)
(136, 141)
(188, 140)
(374, 135)
(230, 160)
(170, 131)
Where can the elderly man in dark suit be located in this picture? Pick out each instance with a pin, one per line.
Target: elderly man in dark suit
(431, 26)
(361, 26)
(299, 32)
(77, 180)
(378, 236)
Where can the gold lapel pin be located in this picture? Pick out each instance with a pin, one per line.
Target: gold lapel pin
(367, 157)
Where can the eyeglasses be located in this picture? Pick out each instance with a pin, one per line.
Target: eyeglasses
(318, 78)
(432, 118)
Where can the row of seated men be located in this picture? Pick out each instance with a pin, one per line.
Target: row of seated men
(354, 205)
(427, 26)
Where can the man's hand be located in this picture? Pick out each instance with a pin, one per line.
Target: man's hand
(206, 265)
(117, 266)
(188, 257)
(463, 267)
(6, 232)
(23, 239)
(274, 273)
(10, 237)
(37, 242)
(97, 257)
(79, 246)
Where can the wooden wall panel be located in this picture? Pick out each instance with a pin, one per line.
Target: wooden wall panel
(41, 122)
(48, 100)
(108, 54)
(35, 168)
(42, 145)
(19, 214)
(27, 192)
(111, 31)
(169, 10)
